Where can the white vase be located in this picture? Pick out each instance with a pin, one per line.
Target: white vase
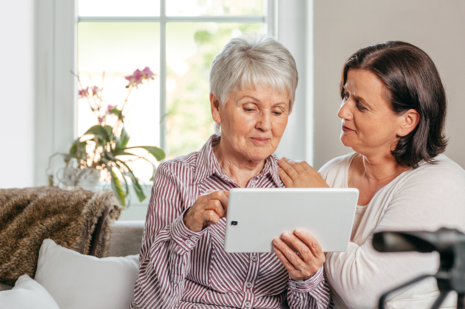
(89, 179)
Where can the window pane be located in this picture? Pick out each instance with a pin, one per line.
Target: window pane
(190, 49)
(119, 49)
(119, 7)
(214, 7)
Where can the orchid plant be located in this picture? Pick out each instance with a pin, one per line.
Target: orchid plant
(103, 145)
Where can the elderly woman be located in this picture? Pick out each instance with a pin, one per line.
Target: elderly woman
(393, 111)
(182, 260)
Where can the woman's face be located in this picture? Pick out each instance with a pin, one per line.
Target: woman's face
(253, 121)
(369, 125)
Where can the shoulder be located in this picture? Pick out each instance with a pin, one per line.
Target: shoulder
(428, 197)
(181, 167)
(442, 171)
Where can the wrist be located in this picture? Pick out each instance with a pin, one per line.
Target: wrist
(309, 284)
(187, 219)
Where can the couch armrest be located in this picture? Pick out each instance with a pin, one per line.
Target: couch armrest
(126, 238)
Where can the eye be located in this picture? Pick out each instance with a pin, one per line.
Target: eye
(360, 107)
(345, 96)
(277, 113)
(249, 108)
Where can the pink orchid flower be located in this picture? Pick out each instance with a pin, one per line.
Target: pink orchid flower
(95, 90)
(139, 76)
(148, 74)
(110, 107)
(82, 93)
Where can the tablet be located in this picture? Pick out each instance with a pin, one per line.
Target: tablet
(256, 216)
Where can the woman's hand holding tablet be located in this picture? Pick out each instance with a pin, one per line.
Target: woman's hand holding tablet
(208, 209)
(300, 253)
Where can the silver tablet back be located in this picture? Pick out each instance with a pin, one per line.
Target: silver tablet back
(256, 216)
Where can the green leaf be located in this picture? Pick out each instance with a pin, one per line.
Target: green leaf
(74, 147)
(78, 150)
(158, 153)
(109, 131)
(135, 183)
(122, 142)
(109, 156)
(125, 182)
(121, 152)
(100, 132)
(115, 111)
(124, 153)
(117, 188)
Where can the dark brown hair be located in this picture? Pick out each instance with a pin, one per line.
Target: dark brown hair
(412, 82)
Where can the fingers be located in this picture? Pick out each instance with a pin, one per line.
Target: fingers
(289, 257)
(298, 246)
(299, 259)
(290, 268)
(283, 163)
(222, 198)
(307, 166)
(311, 243)
(297, 165)
(285, 178)
(210, 217)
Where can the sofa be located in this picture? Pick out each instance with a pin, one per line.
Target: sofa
(125, 241)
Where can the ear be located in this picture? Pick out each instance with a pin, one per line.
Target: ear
(215, 108)
(409, 121)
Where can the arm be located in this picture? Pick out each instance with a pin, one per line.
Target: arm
(171, 233)
(361, 274)
(166, 246)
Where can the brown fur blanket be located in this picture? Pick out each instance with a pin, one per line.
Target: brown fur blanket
(28, 216)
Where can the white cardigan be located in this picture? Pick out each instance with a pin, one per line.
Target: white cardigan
(426, 198)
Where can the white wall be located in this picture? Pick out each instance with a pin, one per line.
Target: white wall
(295, 32)
(17, 94)
(341, 27)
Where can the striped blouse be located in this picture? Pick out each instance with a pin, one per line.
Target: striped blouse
(179, 268)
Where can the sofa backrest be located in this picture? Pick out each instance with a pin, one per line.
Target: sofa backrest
(126, 238)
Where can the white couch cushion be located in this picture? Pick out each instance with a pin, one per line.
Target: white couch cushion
(27, 294)
(79, 281)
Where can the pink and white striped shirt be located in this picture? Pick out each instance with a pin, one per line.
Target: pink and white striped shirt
(179, 268)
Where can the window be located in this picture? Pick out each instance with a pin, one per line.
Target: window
(178, 40)
(147, 31)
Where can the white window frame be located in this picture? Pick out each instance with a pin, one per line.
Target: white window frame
(269, 20)
(56, 88)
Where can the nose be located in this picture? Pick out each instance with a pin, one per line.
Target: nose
(264, 122)
(344, 110)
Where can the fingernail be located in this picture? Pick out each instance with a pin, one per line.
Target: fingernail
(298, 231)
(286, 234)
(275, 241)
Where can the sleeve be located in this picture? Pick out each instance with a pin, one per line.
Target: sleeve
(312, 293)
(423, 202)
(166, 246)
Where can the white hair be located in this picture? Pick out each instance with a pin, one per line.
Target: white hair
(253, 60)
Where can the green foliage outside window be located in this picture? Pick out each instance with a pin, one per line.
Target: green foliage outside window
(189, 120)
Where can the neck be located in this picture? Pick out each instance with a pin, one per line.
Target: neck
(381, 169)
(236, 166)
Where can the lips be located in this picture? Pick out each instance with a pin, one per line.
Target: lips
(346, 129)
(260, 140)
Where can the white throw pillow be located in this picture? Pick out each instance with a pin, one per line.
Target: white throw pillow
(27, 294)
(79, 281)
